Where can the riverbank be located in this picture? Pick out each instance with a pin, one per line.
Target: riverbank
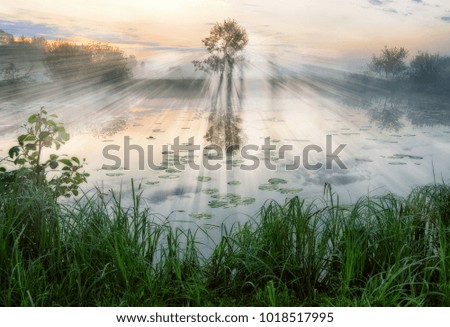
(380, 251)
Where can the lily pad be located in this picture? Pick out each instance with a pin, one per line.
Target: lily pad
(402, 156)
(397, 163)
(363, 160)
(211, 191)
(203, 178)
(172, 170)
(218, 204)
(234, 183)
(229, 200)
(114, 174)
(290, 190)
(268, 187)
(170, 176)
(201, 215)
(235, 162)
(247, 201)
(228, 196)
(276, 181)
(152, 182)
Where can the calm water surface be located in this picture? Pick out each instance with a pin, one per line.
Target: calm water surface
(391, 145)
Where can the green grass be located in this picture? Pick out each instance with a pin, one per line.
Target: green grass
(381, 251)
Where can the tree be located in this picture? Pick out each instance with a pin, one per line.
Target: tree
(224, 43)
(426, 68)
(10, 73)
(390, 64)
(13, 75)
(226, 40)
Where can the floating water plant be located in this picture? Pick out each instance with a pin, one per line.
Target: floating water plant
(203, 178)
(277, 181)
(234, 162)
(402, 156)
(171, 176)
(201, 215)
(268, 187)
(363, 160)
(211, 191)
(152, 182)
(229, 200)
(172, 170)
(290, 190)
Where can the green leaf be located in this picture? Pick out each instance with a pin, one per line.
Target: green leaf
(75, 159)
(34, 155)
(53, 157)
(30, 138)
(66, 162)
(51, 123)
(44, 135)
(21, 138)
(75, 192)
(64, 136)
(33, 119)
(19, 161)
(53, 164)
(14, 152)
(30, 146)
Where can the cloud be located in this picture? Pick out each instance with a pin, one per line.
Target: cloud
(376, 2)
(30, 29)
(391, 10)
(446, 19)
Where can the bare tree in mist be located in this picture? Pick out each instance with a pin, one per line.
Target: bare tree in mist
(19, 58)
(225, 43)
(13, 75)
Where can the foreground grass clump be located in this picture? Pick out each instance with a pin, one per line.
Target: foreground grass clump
(384, 251)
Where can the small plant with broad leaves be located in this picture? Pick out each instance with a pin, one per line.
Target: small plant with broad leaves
(61, 174)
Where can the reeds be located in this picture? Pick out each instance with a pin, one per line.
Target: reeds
(379, 251)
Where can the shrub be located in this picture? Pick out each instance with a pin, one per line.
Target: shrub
(43, 132)
(95, 63)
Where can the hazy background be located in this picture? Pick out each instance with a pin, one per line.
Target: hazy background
(341, 34)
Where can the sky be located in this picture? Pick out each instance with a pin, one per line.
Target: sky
(342, 32)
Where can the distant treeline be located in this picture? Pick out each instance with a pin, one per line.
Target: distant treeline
(425, 70)
(32, 59)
